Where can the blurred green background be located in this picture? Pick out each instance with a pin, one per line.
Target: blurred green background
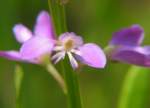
(95, 20)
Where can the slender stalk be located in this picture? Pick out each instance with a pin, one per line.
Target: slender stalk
(71, 78)
(51, 69)
(18, 76)
(57, 11)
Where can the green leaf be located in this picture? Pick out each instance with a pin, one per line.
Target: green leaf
(136, 88)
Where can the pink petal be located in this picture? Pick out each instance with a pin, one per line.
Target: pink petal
(92, 55)
(11, 55)
(15, 56)
(36, 47)
(44, 26)
(132, 36)
(132, 55)
(22, 33)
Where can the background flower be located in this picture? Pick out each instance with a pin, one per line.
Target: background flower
(126, 47)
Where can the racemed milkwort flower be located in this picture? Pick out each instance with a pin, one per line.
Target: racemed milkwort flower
(73, 46)
(36, 45)
(125, 46)
(42, 44)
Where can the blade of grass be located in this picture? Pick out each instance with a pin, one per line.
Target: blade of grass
(57, 10)
(71, 78)
(135, 89)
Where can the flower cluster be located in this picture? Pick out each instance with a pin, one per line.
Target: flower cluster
(42, 44)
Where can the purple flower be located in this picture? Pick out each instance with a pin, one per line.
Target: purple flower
(35, 46)
(41, 43)
(72, 45)
(125, 46)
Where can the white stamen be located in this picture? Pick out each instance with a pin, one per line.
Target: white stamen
(76, 52)
(58, 59)
(72, 60)
(58, 48)
(57, 55)
(61, 56)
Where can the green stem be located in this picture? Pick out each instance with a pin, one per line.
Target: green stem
(71, 79)
(56, 75)
(18, 77)
(57, 11)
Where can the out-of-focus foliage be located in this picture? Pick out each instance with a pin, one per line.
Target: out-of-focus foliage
(95, 20)
(135, 91)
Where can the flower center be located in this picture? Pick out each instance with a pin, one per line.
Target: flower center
(68, 45)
